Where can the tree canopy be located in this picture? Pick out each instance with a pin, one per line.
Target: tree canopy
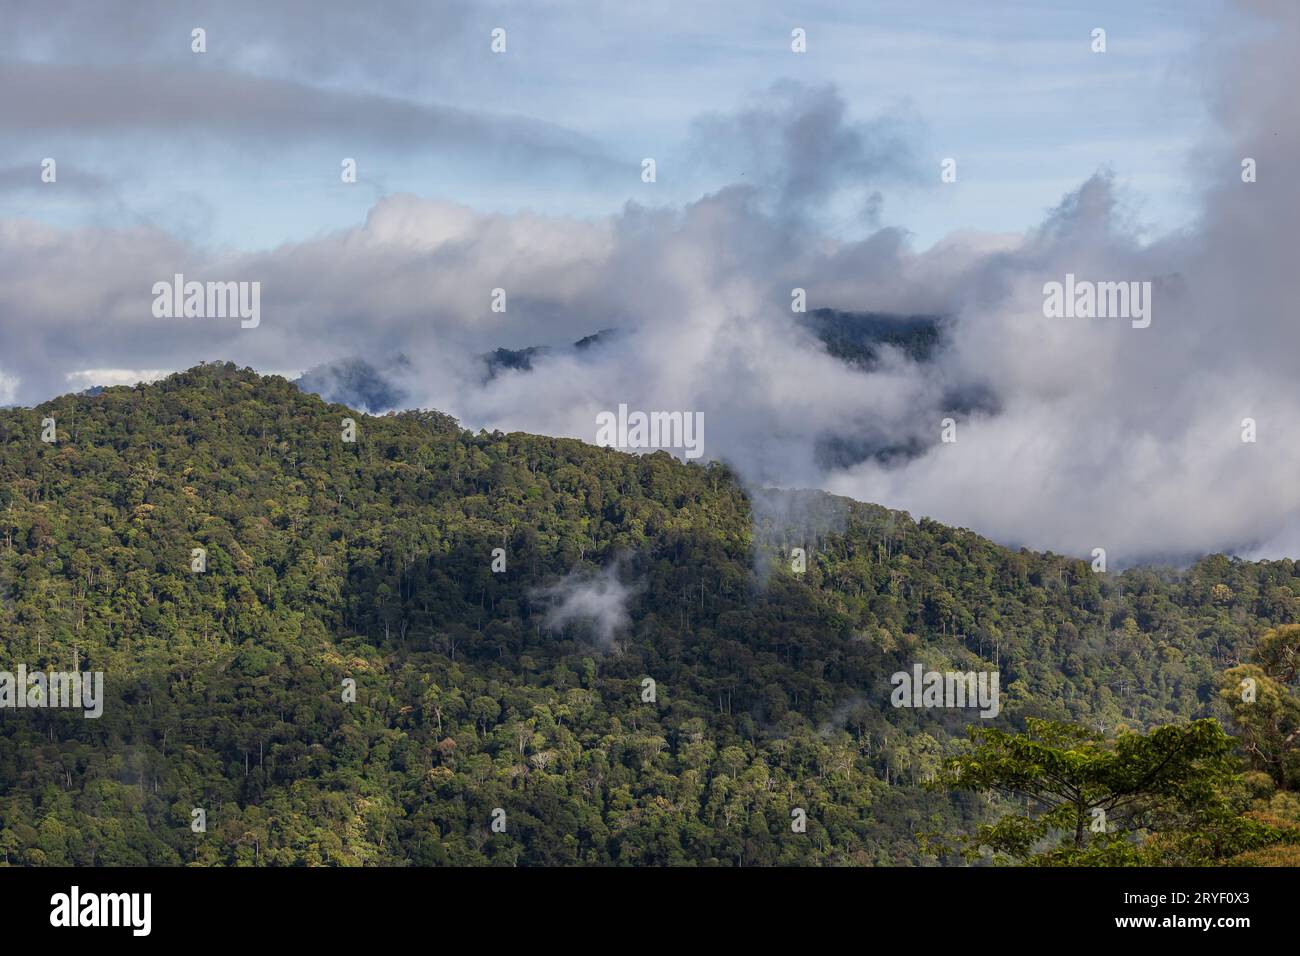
(327, 561)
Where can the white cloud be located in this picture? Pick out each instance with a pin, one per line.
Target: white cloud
(1096, 434)
(8, 388)
(90, 377)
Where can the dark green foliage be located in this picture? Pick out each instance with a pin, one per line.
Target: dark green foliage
(1265, 705)
(1089, 799)
(857, 337)
(372, 561)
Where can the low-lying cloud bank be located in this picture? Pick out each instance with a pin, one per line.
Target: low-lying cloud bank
(595, 602)
(1089, 432)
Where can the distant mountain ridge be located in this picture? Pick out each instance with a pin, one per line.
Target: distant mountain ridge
(856, 338)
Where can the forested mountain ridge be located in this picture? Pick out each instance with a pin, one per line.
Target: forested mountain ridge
(372, 561)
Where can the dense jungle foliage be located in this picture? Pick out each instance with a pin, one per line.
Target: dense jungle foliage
(373, 561)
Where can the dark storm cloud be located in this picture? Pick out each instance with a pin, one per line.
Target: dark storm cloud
(305, 39)
(265, 114)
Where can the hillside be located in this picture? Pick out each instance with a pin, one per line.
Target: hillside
(520, 689)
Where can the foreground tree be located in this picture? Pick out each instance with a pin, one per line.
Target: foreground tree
(1090, 800)
(1265, 707)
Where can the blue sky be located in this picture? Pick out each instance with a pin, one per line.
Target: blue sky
(775, 171)
(1010, 89)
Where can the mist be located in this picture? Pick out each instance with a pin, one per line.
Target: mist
(1089, 433)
